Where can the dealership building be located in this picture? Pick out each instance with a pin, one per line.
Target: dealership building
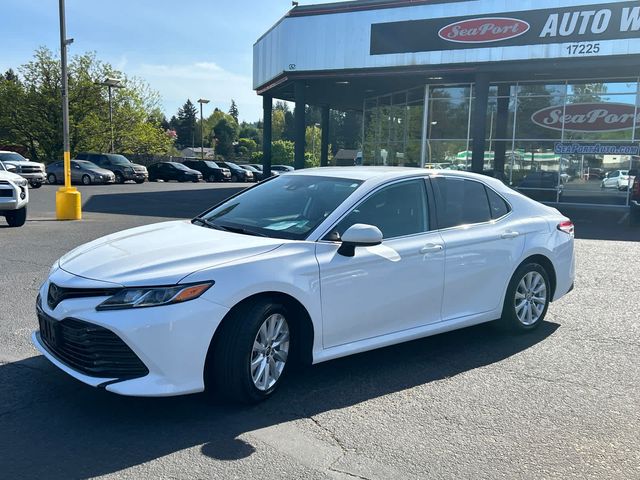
(543, 93)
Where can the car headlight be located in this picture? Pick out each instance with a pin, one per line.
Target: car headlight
(153, 296)
(21, 183)
(54, 267)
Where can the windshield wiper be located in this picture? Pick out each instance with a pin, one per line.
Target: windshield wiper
(216, 226)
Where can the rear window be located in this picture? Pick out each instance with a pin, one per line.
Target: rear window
(499, 207)
(460, 202)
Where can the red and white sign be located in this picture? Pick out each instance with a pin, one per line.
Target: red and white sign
(588, 117)
(484, 30)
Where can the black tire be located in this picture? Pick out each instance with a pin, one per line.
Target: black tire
(35, 184)
(139, 181)
(16, 218)
(510, 318)
(119, 178)
(234, 178)
(51, 178)
(211, 178)
(86, 180)
(228, 371)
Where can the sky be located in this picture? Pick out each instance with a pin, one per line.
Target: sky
(183, 49)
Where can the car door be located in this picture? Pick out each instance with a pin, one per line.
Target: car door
(76, 172)
(390, 287)
(482, 244)
(612, 180)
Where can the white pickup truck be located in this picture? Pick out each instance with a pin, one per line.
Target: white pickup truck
(14, 196)
(34, 172)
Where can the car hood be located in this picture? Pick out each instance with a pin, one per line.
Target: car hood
(161, 253)
(138, 167)
(4, 175)
(99, 171)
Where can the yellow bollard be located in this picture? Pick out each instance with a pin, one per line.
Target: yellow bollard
(68, 198)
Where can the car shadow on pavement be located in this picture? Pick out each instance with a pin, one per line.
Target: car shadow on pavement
(56, 428)
(167, 203)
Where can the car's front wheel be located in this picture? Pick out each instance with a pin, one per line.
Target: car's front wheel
(527, 299)
(251, 353)
(51, 178)
(35, 184)
(86, 180)
(16, 218)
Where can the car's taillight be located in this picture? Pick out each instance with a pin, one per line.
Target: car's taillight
(566, 227)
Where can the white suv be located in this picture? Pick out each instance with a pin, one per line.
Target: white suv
(14, 196)
(34, 172)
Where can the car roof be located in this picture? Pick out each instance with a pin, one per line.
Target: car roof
(382, 173)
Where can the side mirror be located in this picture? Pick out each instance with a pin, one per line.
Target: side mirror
(11, 168)
(359, 235)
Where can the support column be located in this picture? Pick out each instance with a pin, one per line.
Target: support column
(267, 108)
(299, 114)
(479, 129)
(324, 139)
(502, 121)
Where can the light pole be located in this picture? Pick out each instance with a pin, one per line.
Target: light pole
(111, 83)
(68, 201)
(202, 101)
(313, 141)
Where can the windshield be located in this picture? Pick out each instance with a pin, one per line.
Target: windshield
(119, 160)
(289, 207)
(179, 166)
(11, 156)
(86, 164)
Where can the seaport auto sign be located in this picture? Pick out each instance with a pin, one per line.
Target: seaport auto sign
(589, 23)
(588, 117)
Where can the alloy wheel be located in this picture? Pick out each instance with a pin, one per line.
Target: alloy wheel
(530, 298)
(270, 351)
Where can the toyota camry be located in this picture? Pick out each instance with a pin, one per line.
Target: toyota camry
(301, 268)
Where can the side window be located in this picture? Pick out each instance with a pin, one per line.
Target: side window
(460, 202)
(499, 208)
(397, 210)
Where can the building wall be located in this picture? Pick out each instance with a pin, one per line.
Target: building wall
(343, 40)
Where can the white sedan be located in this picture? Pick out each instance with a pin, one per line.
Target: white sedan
(617, 179)
(305, 267)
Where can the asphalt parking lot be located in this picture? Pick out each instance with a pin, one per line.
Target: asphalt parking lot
(561, 402)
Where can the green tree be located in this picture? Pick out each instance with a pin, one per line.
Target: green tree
(233, 110)
(186, 124)
(282, 152)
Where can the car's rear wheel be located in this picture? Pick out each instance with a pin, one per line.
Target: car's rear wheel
(51, 178)
(139, 180)
(250, 355)
(86, 180)
(234, 178)
(211, 178)
(119, 178)
(16, 218)
(527, 299)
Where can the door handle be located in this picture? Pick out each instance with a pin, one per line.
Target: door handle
(509, 235)
(431, 248)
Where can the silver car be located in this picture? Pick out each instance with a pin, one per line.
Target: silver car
(82, 171)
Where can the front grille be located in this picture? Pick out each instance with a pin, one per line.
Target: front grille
(29, 169)
(57, 294)
(89, 349)
(5, 192)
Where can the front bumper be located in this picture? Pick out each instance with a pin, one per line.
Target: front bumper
(15, 202)
(172, 341)
(136, 175)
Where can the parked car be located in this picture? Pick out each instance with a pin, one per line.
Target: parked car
(634, 198)
(14, 196)
(173, 171)
(541, 186)
(32, 171)
(595, 173)
(82, 171)
(282, 168)
(616, 179)
(257, 174)
(238, 174)
(307, 267)
(259, 167)
(120, 165)
(210, 170)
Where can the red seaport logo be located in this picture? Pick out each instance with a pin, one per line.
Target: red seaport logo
(588, 117)
(484, 30)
